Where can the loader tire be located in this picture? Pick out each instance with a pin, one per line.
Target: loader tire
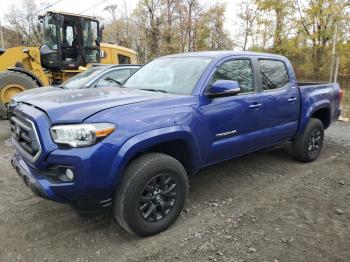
(11, 83)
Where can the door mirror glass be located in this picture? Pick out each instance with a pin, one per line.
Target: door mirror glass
(222, 88)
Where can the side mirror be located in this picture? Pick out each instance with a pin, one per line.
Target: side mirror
(223, 88)
(97, 41)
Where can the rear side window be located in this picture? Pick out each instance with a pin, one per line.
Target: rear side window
(273, 73)
(122, 59)
(239, 70)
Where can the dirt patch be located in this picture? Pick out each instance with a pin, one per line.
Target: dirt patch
(261, 207)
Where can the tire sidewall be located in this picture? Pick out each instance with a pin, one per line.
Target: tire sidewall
(131, 211)
(9, 77)
(313, 125)
(17, 78)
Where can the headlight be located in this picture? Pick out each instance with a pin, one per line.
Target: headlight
(82, 134)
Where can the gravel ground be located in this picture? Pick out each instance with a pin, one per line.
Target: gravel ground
(261, 207)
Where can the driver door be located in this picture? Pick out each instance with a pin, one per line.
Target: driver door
(233, 122)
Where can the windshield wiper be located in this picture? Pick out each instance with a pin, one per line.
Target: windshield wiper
(109, 79)
(154, 90)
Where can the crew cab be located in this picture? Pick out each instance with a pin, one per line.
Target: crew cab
(132, 148)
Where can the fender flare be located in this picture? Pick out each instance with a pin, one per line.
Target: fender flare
(27, 73)
(317, 106)
(145, 140)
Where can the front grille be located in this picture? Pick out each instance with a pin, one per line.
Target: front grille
(25, 137)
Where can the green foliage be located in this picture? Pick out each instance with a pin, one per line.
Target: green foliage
(304, 31)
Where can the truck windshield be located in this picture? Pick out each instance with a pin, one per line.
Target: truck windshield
(82, 80)
(50, 33)
(177, 75)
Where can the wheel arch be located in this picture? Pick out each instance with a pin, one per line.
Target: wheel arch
(175, 141)
(320, 110)
(324, 115)
(34, 77)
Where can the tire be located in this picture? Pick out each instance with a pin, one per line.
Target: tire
(14, 82)
(308, 145)
(140, 179)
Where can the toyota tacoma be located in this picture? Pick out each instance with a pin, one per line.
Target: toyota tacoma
(132, 148)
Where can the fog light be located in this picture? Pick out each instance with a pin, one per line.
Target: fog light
(69, 174)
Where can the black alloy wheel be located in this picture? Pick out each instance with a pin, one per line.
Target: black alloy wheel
(151, 194)
(315, 142)
(158, 197)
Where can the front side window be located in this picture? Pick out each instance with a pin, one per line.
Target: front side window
(273, 73)
(50, 33)
(239, 70)
(90, 35)
(83, 79)
(177, 75)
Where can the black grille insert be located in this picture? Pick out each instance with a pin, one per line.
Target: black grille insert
(25, 136)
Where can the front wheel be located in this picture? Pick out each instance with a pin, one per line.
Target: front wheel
(308, 145)
(151, 195)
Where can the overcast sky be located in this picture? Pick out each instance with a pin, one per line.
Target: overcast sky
(95, 7)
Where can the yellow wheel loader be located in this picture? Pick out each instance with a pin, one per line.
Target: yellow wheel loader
(71, 43)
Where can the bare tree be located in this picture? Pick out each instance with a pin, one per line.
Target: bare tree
(24, 21)
(249, 12)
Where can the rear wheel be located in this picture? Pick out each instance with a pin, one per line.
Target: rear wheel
(151, 195)
(12, 83)
(307, 147)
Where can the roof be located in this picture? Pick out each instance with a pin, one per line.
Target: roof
(114, 65)
(121, 48)
(221, 54)
(71, 14)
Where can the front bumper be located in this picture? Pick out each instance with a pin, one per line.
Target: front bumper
(28, 179)
(43, 187)
(95, 172)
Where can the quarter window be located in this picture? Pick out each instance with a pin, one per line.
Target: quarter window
(236, 70)
(273, 73)
(122, 59)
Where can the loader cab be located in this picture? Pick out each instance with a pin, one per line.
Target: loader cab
(70, 41)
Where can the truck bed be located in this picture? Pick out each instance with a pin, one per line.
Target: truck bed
(307, 83)
(316, 95)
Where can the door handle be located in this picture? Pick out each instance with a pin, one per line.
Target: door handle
(255, 106)
(292, 99)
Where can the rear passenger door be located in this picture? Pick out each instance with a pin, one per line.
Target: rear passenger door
(280, 100)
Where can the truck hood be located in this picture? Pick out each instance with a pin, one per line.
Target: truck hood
(74, 106)
(20, 97)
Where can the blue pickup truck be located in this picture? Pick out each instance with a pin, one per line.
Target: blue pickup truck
(131, 149)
